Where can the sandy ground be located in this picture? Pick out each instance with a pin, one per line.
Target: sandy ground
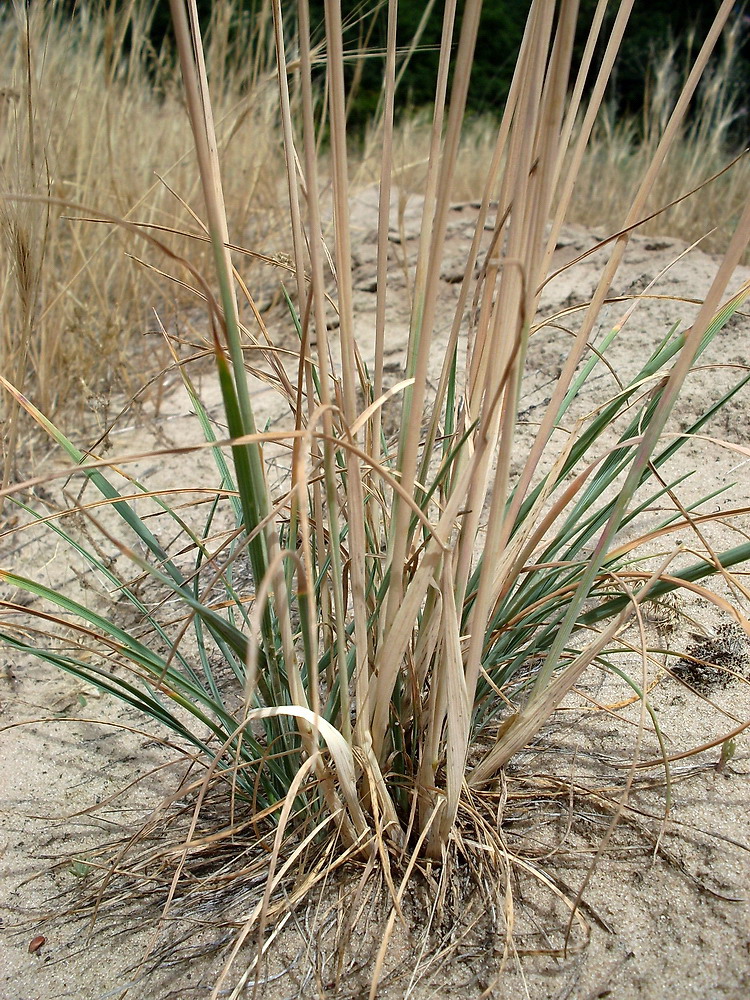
(666, 909)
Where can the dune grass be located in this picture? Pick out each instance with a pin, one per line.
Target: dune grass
(418, 609)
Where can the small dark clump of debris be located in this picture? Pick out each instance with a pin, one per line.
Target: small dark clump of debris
(714, 661)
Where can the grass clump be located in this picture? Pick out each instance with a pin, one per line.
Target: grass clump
(372, 643)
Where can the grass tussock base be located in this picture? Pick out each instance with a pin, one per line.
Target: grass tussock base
(340, 926)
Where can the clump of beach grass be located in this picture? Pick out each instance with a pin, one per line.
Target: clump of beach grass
(419, 608)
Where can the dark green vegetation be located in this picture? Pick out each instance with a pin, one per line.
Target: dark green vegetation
(653, 27)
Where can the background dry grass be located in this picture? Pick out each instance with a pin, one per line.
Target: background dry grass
(87, 121)
(619, 151)
(91, 115)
